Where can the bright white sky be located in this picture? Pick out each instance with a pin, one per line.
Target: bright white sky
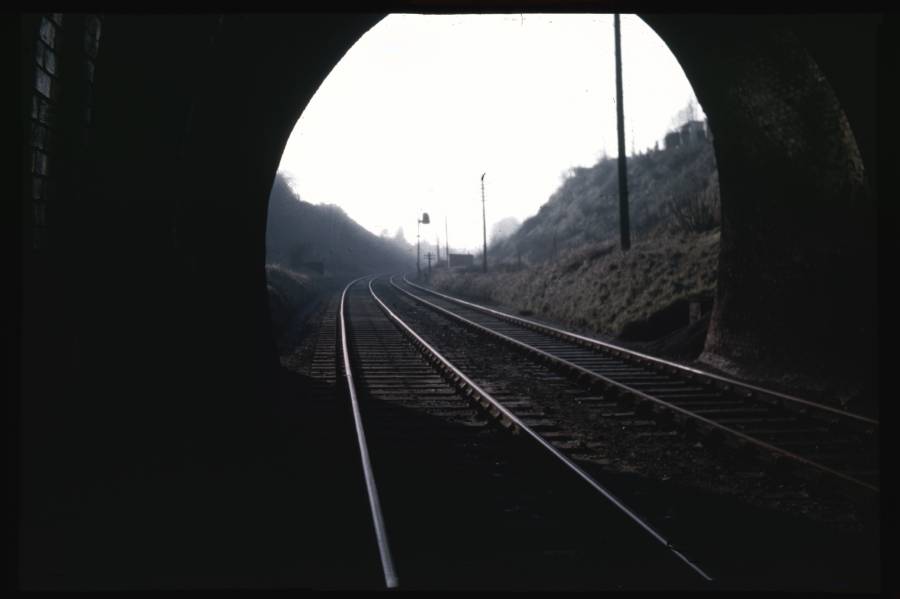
(422, 105)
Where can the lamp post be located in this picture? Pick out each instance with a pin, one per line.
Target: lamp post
(483, 225)
(420, 221)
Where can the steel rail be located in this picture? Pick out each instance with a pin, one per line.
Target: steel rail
(640, 394)
(472, 387)
(603, 345)
(387, 563)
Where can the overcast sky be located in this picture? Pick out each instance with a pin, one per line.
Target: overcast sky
(422, 105)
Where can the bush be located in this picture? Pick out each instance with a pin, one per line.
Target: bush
(697, 213)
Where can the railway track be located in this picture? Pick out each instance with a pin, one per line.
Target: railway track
(824, 445)
(457, 501)
(324, 361)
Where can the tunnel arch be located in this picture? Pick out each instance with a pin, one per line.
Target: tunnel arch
(197, 110)
(148, 154)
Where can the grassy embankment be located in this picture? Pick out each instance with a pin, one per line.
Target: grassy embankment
(600, 290)
(289, 291)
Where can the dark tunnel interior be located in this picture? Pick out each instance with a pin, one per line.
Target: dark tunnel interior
(147, 364)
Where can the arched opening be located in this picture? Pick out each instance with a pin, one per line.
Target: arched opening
(768, 141)
(422, 105)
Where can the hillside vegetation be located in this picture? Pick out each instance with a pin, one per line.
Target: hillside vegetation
(315, 248)
(300, 234)
(671, 190)
(564, 264)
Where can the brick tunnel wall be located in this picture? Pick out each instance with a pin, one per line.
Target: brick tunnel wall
(796, 281)
(146, 344)
(150, 146)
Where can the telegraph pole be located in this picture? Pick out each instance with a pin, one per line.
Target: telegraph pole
(624, 225)
(483, 225)
(447, 242)
(438, 246)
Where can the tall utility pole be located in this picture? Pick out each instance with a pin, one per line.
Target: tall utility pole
(483, 225)
(624, 225)
(447, 242)
(438, 246)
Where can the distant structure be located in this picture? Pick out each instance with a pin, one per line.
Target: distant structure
(688, 133)
(461, 260)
